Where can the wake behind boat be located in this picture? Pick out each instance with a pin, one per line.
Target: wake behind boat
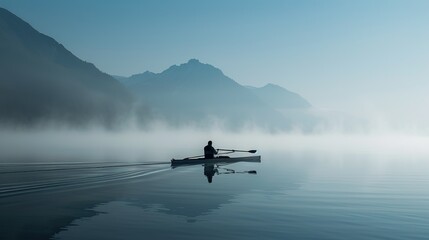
(221, 159)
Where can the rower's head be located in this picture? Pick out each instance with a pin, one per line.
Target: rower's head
(210, 143)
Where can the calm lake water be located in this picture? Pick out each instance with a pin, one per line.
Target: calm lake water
(294, 195)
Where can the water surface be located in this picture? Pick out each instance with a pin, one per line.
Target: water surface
(294, 195)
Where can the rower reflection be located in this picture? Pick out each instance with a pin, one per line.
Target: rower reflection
(211, 169)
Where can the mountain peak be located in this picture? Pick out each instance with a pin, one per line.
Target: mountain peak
(194, 61)
(145, 74)
(195, 68)
(272, 86)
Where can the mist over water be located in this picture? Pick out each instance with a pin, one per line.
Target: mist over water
(161, 143)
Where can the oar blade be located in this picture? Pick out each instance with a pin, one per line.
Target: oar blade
(252, 151)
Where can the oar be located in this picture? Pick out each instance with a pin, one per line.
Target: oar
(195, 157)
(229, 150)
(234, 150)
(231, 171)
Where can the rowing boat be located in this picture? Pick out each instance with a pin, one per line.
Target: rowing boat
(223, 159)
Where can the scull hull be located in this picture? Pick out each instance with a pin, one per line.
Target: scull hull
(177, 162)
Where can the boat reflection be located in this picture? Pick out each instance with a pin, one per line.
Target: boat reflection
(211, 169)
(215, 166)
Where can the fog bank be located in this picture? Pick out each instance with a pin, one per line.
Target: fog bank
(163, 143)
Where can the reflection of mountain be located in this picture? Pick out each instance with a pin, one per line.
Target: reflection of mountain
(41, 80)
(197, 92)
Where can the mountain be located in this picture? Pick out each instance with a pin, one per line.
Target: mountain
(41, 81)
(280, 98)
(201, 94)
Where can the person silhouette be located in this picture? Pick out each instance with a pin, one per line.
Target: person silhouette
(209, 150)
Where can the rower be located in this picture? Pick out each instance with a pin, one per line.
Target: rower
(209, 150)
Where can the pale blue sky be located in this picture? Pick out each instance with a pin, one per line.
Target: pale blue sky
(355, 56)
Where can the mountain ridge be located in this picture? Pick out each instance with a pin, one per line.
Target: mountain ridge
(200, 89)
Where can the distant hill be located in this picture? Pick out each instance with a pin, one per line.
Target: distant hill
(42, 81)
(280, 98)
(199, 93)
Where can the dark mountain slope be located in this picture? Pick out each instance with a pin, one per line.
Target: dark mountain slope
(42, 81)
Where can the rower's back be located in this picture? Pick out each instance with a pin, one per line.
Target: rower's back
(209, 150)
